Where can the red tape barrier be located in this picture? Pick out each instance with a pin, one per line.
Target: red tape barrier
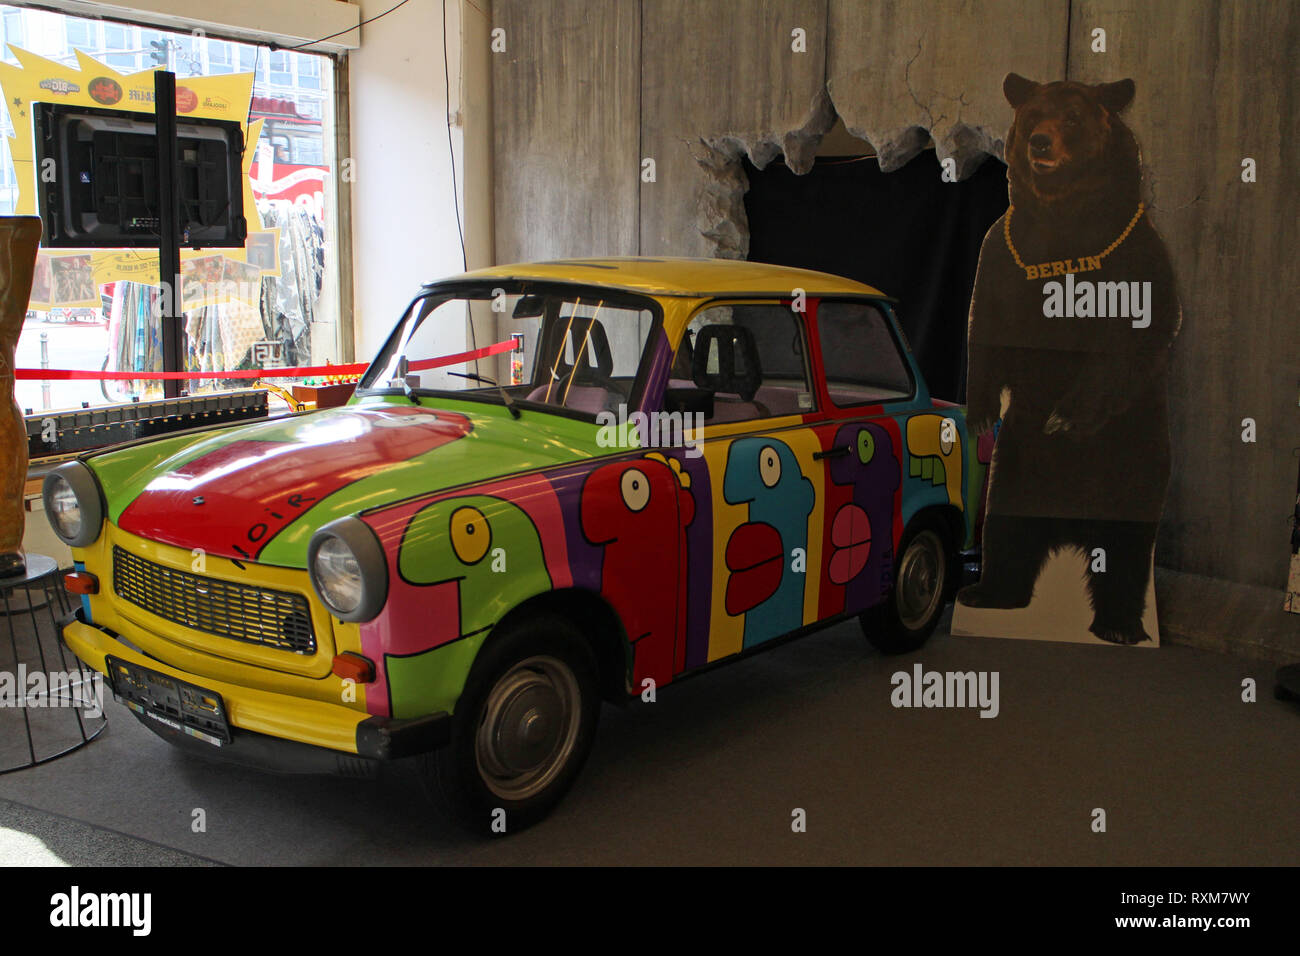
(65, 374)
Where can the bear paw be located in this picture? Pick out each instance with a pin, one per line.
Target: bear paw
(1131, 633)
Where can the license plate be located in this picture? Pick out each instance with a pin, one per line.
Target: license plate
(176, 704)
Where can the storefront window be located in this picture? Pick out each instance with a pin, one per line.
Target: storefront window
(281, 75)
(80, 33)
(273, 302)
(12, 21)
(186, 61)
(219, 56)
(308, 72)
(117, 39)
(253, 60)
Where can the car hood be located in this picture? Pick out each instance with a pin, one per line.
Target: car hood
(259, 491)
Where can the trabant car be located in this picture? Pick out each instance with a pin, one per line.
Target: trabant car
(686, 461)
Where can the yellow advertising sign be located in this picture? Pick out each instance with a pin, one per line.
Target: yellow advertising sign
(70, 278)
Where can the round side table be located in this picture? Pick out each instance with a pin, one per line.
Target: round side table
(50, 703)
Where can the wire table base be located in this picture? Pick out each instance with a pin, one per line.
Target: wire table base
(50, 703)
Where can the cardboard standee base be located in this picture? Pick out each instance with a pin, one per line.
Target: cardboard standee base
(1059, 610)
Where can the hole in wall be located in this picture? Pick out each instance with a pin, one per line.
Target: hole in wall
(906, 232)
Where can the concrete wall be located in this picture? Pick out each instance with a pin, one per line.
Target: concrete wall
(566, 97)
(1221, 88)
(902, 73)
(722, 80)
(591, 88)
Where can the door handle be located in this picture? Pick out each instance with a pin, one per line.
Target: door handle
(836, 452)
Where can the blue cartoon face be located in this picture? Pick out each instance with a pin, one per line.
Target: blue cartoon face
(764, 474)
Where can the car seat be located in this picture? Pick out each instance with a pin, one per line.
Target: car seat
(586, 384)
(725, 361)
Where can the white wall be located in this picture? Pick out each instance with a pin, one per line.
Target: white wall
(403, 217)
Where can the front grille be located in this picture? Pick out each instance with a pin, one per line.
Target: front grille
(255, 615)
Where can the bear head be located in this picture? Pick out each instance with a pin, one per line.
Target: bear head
(1068, 142)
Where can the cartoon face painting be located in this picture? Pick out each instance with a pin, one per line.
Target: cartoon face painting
(935, 453)
(469, 543)
(766, 579)
(638, 511)
(861, 528)
(457, 552)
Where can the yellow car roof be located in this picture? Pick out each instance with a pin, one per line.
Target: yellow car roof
(695, 278)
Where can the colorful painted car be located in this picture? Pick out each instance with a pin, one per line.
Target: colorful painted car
(463, 562)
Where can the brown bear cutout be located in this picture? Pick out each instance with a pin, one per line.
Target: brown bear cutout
(1071, 321)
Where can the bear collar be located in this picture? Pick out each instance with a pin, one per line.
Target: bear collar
(1062, 267)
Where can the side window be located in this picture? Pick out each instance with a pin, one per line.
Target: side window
(862, 361)
(739, 363)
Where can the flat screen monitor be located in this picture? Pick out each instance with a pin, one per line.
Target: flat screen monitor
(102, 187)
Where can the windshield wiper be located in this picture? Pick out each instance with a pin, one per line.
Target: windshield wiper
(505, 397)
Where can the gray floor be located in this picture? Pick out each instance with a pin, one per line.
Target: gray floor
(1186, 772)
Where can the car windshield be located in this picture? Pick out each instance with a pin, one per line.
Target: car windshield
(581, 352)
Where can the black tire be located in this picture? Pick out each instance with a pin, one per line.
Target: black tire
(927, 563)
(542, 673)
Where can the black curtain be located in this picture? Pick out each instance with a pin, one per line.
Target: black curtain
(908, 233)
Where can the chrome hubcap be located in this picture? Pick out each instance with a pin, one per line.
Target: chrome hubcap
(921, 576)
(529, 727)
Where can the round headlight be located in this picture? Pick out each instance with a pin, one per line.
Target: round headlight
(338, 575)
(64, 509)
(348, 570)
(73, 504)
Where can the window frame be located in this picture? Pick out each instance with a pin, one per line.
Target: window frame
(886, 309)
(298, 63)
(287, 59)
(93, 28)
(223, 49)
(810, 370)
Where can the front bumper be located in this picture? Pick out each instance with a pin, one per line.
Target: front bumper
(269, 730)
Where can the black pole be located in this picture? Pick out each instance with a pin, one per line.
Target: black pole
(169, 232)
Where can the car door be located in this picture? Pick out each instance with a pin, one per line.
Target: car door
(750, 362)
(869, 391)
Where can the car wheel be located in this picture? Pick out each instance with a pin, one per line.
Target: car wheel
(522, 729)
(923, 575)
